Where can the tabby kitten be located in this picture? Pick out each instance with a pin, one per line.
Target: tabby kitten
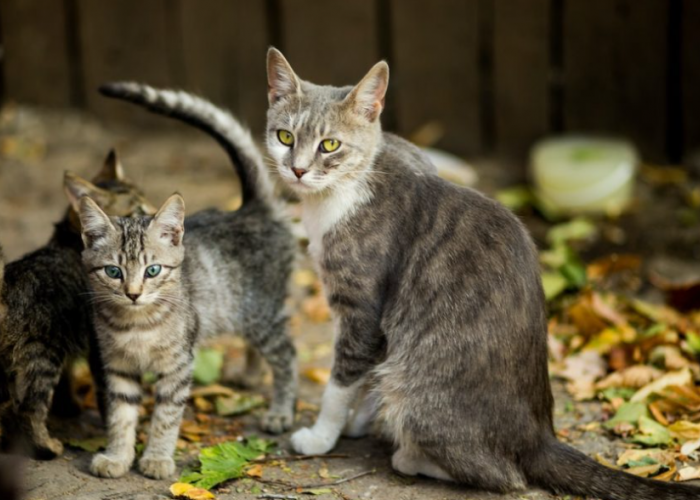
(47, 319)
(158, 299)
(437, 300)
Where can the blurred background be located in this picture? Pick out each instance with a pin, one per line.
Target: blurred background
(582, 116)
(490, 76)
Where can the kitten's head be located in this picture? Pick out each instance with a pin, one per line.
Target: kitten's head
(320, 136)
(110, 189)
(133, 261)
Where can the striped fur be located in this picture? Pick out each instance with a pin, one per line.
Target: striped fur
(216, 122)
(231, 277)
(48, 319)
(438, 304)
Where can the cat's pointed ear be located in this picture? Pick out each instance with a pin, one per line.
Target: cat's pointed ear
(95, 225)
(169, 223)
(367, 98)
(112, 169)
(76, 188)
(281, 79)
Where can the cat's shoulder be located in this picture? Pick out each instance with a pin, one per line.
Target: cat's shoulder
(398, 152)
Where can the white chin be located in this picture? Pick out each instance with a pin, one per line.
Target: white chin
(302, 187)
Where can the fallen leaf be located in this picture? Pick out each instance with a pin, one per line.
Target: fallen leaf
(316, 308)
(690, 446)
(211, 390)
(255, 471)
(684, 430)
(304, 278)
(628, 413)
(238, 404)
(93, 445)
(318, 375)
(688, 473)
(651, 433)
(203, 405)
(184, 490)
(635, 377)
(682, 377)
(207, 365)
(317, 491)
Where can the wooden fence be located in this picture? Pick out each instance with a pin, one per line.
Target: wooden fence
(495, 74)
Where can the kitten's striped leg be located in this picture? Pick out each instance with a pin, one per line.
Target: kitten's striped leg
(277, 349)
(124, 398)
(38, 373)
(172, 391)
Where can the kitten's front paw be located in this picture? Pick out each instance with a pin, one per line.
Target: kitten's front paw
(157, 467)
(104, 465)
(277, 422)
(48, 449)
(308, 442)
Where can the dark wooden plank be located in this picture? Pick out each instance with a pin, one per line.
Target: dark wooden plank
(521, 74)
(36, 60)
(127, 40)
(330, 41)
(436, 75)
(250, 71)
(691, 76)
(615, 70)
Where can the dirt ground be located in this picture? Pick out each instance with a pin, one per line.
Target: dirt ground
(35, 148)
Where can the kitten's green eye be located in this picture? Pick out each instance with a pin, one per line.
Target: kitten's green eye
(153, 271)
(329, 145)
(113, 272)
(285, 137)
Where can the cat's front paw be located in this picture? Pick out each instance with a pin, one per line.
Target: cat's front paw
(308, 442)
(48, 449)
(277, 422)
(104, 465)
(157, 467)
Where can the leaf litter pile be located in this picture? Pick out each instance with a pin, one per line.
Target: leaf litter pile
(638, 357)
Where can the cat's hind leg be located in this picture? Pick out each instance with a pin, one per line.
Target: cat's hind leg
(363, 416)
(410, 461)
(275, 346)
(37, 373)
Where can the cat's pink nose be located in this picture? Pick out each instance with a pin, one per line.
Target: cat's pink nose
(299, 172)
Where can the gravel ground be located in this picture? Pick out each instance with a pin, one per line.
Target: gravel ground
(35, 148)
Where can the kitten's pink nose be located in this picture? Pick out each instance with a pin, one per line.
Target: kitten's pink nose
(299, 172)
(133, 296)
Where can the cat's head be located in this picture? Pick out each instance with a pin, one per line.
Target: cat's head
(110, 189)
(133, 261)
(321, 136)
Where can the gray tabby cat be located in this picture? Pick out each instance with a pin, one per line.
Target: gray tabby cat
(166, 282)
(47, 320)
(437, 299)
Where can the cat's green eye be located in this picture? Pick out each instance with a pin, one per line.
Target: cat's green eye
(153, 271)
(113, 272)
(285, 137)
(329, 145)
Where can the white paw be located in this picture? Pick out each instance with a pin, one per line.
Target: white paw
(357, 429)
(277, 422)
(157, 467)
(308, 442)
(104, 465)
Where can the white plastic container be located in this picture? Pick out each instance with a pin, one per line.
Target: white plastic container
(574, 175)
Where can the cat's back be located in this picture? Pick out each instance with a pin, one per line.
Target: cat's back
(46, 294)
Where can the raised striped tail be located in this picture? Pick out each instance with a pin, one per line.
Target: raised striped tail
(214, 121)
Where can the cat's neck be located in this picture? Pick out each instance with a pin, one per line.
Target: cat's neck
(321, 213)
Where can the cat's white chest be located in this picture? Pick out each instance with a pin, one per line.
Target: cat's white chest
(322, 215)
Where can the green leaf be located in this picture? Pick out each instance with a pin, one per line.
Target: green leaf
(579, 228)
(641, 462)
(553, 283)
(239, 404)
(652, 433)
(575, 273)
(629, 413)
(207, 366)
(225, 461)
(93, 445)
(693, 340)
(515, 198)
(317, 491)
(618, 392)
